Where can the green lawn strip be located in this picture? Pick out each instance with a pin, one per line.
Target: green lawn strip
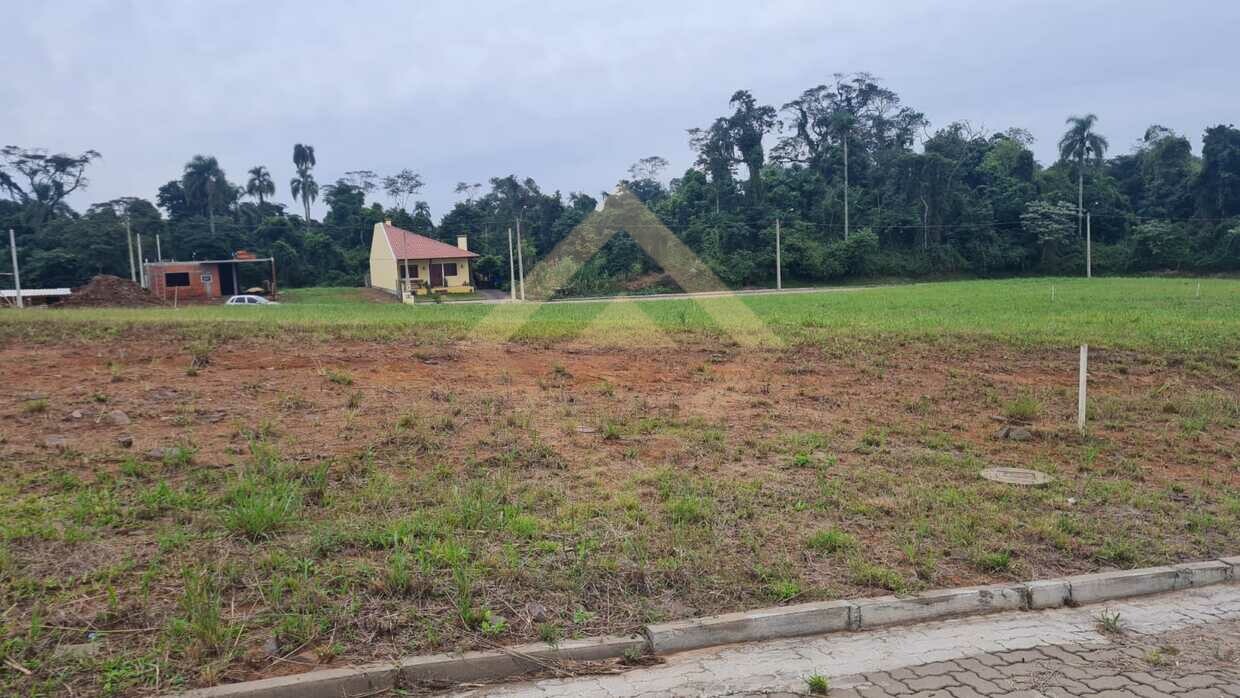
(1123, 313)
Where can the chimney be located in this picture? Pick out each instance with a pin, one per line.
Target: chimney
(462, 242)
(387, 221)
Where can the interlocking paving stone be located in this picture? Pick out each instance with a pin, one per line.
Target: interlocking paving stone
(1196, 681)
(974, 666)
(1185, 644)
(1108, 682)
(888, 683)
(1148, 679)
(930, 683)
(964, 692)
(936, 668)
(977, 683)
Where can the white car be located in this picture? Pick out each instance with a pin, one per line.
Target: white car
(249, 300)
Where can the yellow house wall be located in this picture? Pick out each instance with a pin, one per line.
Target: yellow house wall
(452, 284)
(460, 282)
(382, 262)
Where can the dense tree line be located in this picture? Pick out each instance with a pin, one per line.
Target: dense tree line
(858, 181)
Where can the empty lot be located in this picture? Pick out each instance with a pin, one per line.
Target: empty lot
(340, 481)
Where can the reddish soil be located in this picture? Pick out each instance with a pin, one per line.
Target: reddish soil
(110, 291)
(895, 421)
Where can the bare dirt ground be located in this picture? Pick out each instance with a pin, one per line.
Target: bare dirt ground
(458, 495)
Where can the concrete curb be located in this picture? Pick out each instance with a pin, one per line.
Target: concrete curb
(748, 626)
(435, 668)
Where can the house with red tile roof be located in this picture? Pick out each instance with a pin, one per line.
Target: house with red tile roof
(404, 263)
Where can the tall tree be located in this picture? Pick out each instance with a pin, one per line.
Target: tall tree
(402, 186)
(303, 185)
(750, 122)
(469, 190)
(1218, 185)
(366, 180)
(715, 149)
(303, 156)
(203, 182)
(855, 114)
(260, 184)
(41, 181)
(1080, 145)
(305, 188)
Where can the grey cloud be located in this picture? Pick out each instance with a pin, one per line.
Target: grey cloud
(567, 93)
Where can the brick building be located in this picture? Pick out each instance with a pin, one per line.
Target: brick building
(203, 280)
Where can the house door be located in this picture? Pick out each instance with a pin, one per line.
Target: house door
(436, 275)
(228, 285)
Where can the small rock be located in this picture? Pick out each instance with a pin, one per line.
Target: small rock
(124, 441)
(158, 453)
(586, 430)
(1013, 433)
(536, 611)
(1071, 501)
(83, 650)
(1019, 434)
(76, 414)
(56, 441)
(272, 647)
(117, 418)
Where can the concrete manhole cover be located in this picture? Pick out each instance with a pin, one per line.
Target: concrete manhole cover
(1016, 476)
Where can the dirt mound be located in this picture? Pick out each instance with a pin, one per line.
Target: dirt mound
(105, 290)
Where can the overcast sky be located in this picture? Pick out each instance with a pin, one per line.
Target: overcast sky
(568, 93)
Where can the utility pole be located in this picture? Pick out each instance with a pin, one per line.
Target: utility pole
(17, 276)
(520, 259)
(407, 285)
(159, 255)
(845, 186)
(512, 268)
(779, 268)
(133, 270)
(1089, 250)
(141, 265)
(1080, 192)
(1082, 380)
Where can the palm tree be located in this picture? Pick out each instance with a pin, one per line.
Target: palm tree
(201, 181)
(1080, 145)
(303, 185)
(261, 184)
(305, 188)
(303, 156)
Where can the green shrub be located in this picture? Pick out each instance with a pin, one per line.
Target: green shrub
(999, 561)
(257, 510)
(1023, 409)
(831, 541)
(688, 509)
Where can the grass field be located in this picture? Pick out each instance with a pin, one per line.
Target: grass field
(216, 494)
(1160, 314)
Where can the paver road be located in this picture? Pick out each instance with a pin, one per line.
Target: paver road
(1181, 644)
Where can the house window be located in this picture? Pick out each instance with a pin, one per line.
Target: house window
(410, 272)
(449, 269)
(177, 278)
